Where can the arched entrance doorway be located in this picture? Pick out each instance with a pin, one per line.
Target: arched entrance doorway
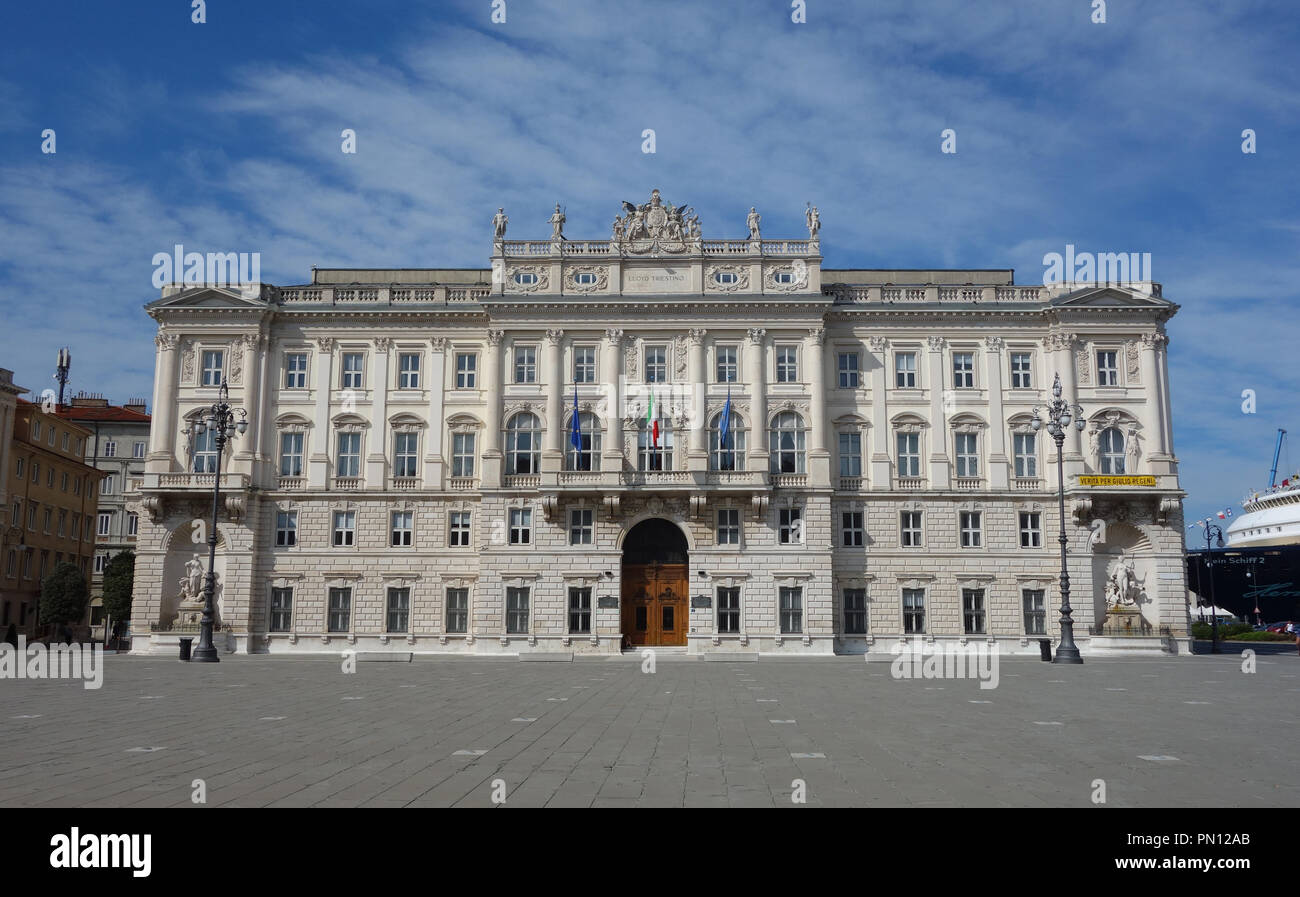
(656, 579)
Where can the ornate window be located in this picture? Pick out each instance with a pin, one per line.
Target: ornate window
(205, 451)
(1024, 449)
(850, 453)
(651, 455)
(586, 456)
(523, 443)
(728, 455)
(291, 451)
(909, 454)
(968, 458)
(462, 454)
(1107, 368)
(1111, 447)
(348, 460)
(405, 455)
(786, 443)
(728, 368)
(913, 611)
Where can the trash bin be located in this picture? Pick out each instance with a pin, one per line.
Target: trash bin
(1044, 649)
(185, 648)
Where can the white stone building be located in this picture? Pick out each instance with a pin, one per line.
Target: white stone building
(408, 480)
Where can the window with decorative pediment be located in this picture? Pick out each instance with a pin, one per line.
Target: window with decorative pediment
(787, 438)
(966, 445)
(907, 445)
(1024, 448)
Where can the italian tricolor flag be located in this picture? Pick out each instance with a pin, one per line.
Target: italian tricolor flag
(651, 419)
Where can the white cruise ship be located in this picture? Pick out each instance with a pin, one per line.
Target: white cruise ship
(1272, 517)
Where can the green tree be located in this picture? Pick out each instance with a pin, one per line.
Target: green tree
(119, 583)
(64, 595)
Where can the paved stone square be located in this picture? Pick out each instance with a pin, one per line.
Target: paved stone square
(287, 732)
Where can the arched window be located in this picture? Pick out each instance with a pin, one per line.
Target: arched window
(786, 443)
(205, 451)
(1112, 451)
(650, 456)
(523, 443)
(587, 455)
(728, 455)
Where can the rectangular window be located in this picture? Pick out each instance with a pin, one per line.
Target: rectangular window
(132, 525)
(458, 529)
(787, 364)
(656, 364)
(63, 482)
(462, 454)
(76, 486)
(517, 610)
(49, 515)
(106, 485)
(403, 529)
(910, 524)
(963, 370)
(63, 443)
(913, 611)
(1035, 611)
(791, 609)
(855, 611)
(105, 522)
(63, 523)
(399, 609)
(110, 449)
(353, 370)
(408, 375)
(728, 609)
(728, 368)
(36, 471)
(1024, 449)
(971, 529)
(213, 362)
(909, 454)
(581, 525)
(848, 369)
(525, 364)
(349, 456)
(138, 450)
(340, 610)
(1031, 529)
(1022, 370)
(466, 369)
(521, 526)
(19, 470)
(580, 610)
(291, 454)
(728, 526)
(905, 370)
(851, 454)
(851, 528)
(790, 526)
(16, 514)
(281, 610)
(295, 370)
(345, 528)
(27, 564)
(972, 611)
(45, 563)
(457, 610)
(404, 454)
(100, 561)
(31, 516)
(11, 567)
(968, 459)
(1107, 369)
(36, 428)
(584, 364)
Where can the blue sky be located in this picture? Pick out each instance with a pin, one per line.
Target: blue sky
(1123, 136)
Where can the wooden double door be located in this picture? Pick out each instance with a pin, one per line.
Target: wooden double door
(655, 606)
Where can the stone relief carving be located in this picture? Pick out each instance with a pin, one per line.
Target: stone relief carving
(655, 226)
(679, 356)
(756, 335)
(554, 336)
(740, 283)
(614, 336)
(325, 344)
(601, 282)
(877, 343)
(542, 281)
(629, 360)
(1132, 355)
(383, 343)
(936, 343)
(165, 340)
(494, 337)
(1082, 366)
(993, 343)
(187, 360)
(237, 361)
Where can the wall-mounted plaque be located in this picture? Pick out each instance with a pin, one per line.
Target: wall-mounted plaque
(701, 601)
(607, 601)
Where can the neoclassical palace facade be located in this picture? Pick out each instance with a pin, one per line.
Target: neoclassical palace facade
(768, 456)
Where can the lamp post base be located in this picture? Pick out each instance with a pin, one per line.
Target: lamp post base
(205, 655)
(1067, 655)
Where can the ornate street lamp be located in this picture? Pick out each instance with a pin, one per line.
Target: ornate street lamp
(220, 419)
(1213, 532)
(1059, 413)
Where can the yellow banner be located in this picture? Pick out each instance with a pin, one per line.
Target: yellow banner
(1118, 481)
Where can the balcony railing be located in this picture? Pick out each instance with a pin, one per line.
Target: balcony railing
(462, 484)
(910, 484)
(290, 484)
(968, 484)
(734, 478)
(657, 477)
(522, 480)
(1026, 484)
(789, 480)
(850, 484)
(202, 480)
(403, 484)
(347, 484)
(582, 478)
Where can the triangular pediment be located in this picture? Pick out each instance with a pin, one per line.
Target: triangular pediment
(207, 297)
(1110, 297)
